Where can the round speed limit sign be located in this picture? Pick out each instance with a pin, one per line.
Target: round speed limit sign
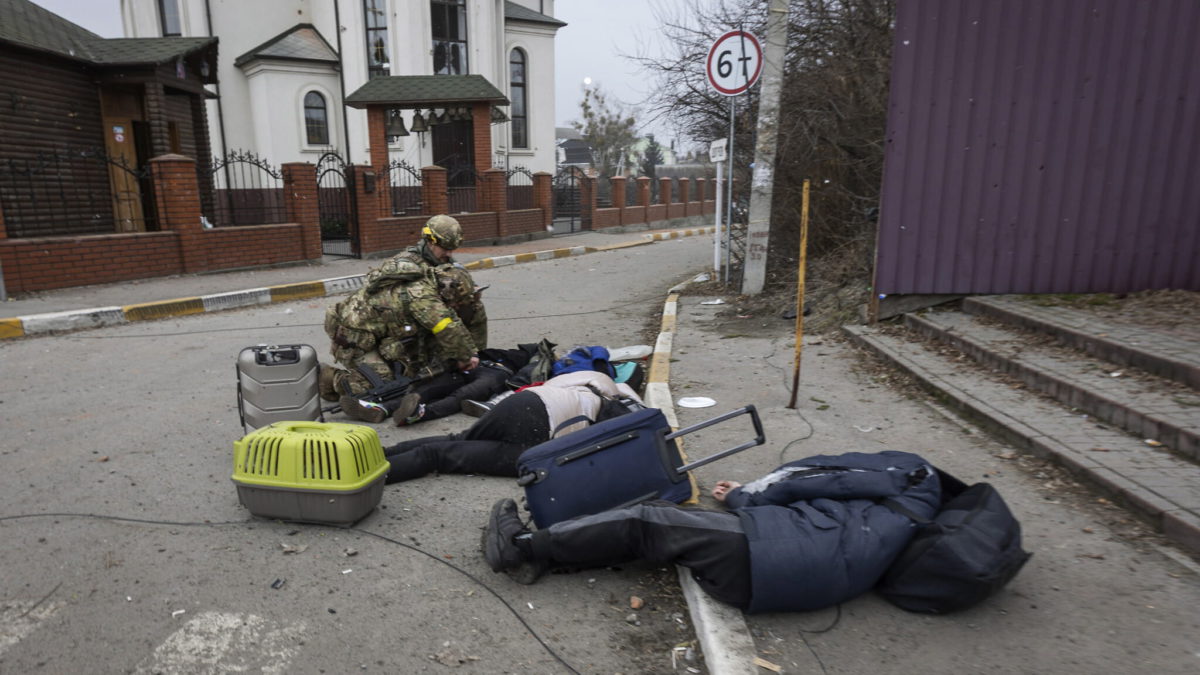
(734, 62)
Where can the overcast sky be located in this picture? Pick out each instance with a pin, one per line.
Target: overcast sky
(597, 32)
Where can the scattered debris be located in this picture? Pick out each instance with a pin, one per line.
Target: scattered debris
(347, 571)
(1100, 450)
(278, 583)
(1007, 455)
(1153, 443)
(632, 619)
(103, 459)
(1116, 373)
(292, 548)
(701, 278)
(449, 658)
(763, 663)
(1088, 530)
(350, 552)
(865, 430)
(635, 602)
(718, 301)
(177, 613)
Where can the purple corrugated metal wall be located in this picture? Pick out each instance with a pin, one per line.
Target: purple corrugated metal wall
(1042, 146)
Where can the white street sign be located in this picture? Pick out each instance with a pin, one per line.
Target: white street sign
(734, 62)
(716, 150)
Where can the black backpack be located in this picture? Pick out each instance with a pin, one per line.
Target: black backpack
(970, 549)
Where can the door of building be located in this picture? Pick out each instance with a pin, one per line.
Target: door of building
(453, 149)
(121, 149)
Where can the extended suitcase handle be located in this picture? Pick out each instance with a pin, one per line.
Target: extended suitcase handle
(759, 438)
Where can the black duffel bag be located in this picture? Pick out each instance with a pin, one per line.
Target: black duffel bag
(970, 550)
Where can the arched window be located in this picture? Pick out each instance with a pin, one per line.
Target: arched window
(517, 92)
(316, 119)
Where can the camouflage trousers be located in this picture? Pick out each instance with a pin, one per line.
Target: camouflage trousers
(350, 380)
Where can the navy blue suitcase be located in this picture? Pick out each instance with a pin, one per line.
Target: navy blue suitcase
(615, 463)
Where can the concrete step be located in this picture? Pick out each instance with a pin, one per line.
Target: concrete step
(1173, 356)
(1144, 405)
(1154, 483)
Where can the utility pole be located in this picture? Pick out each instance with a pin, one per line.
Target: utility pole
(758, 229)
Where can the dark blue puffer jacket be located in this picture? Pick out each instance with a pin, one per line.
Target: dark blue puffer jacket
(817, 534)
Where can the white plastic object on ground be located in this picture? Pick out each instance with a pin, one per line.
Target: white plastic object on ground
(696, 402)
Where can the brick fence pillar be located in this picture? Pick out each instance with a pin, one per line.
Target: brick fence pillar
(617, 184)
(664, 191)
(433, 190)
(494, 197)
(643, 191)
(3, 228)
(300, 198)
(369, 208)
(685, 192)
(701, 186)
(587, 200)
(177, 199)
(543, 197)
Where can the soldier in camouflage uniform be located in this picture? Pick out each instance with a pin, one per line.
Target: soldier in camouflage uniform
(416, 314)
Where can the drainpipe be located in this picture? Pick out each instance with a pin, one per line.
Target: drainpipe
(337, 20)
(220, 108)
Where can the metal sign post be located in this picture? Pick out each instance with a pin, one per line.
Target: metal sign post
(716, 155)
(735, 60)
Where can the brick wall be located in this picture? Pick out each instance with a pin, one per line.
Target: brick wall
(525, 221)
(39, 264)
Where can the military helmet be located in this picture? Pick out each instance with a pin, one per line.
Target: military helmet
(443, 231)
(455, 285)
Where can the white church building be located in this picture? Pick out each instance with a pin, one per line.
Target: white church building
(293, 73)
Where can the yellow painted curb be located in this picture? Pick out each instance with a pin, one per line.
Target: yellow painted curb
(148, 311)
(481, 264)
(309, 289)
(11, 328)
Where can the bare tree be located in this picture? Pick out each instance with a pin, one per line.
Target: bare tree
(832, 122)
(609, 128)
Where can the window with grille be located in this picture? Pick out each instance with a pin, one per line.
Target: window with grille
(449, 20)
(316, 119)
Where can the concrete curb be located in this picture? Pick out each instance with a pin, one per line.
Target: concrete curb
(82, 319)
(724, 637)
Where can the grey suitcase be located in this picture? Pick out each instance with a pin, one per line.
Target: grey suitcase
(278, 383)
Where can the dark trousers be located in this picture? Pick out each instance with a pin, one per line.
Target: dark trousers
(711, 544)
(491, 446)
(444, 394)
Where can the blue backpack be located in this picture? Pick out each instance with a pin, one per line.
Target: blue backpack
(585, 358)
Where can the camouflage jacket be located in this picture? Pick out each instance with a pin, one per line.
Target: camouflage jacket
(400, 315)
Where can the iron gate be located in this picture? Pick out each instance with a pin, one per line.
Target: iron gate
(567, 201)
(339, 213)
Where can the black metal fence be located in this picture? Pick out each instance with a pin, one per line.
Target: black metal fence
(404, 181)
(71, 192)
(461, 189)
(240, 188)
(520, 188)
(336, 204)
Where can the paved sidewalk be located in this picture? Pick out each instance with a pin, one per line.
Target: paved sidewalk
(84, 307)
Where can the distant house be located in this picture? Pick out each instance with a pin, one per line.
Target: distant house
(80, 117)
(298, 77)
(573, 150)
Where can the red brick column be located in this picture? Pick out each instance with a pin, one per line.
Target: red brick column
(377, 136)
(3, 228)
(587, 199)
(643, 191)
(177, 198)
(494, 197)
(300, 198)
(377, 143)
(664, 191)
(618, 191)
(369, 206)
(543, 198)
(433, 190)
(685, 193)
(481, 133)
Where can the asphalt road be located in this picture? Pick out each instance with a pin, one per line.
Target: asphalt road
(137, 421)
